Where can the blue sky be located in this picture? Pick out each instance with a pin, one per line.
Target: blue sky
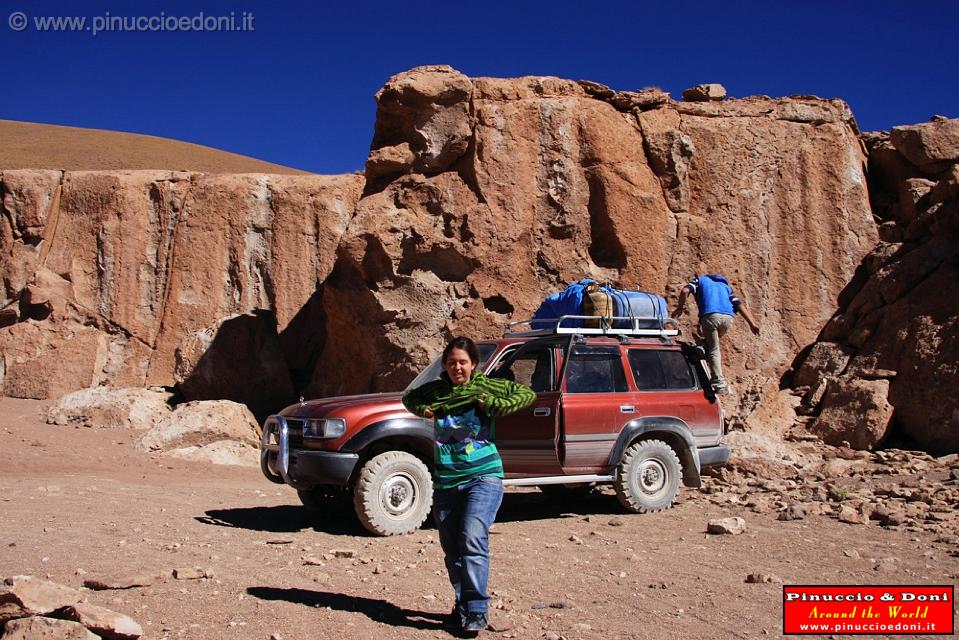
(298, 89)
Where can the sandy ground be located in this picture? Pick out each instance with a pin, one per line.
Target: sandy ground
(78, 503)
(29, 145)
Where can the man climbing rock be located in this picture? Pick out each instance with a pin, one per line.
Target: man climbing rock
(717, 304)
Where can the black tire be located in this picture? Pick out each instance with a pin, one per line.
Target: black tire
(648, 477)
(393, 493)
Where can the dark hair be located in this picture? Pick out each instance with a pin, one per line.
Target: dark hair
(467, 345)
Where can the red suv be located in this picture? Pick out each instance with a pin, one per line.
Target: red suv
(629, 407)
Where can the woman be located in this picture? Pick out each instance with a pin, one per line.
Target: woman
(468, 472)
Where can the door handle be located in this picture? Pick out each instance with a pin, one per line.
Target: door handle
(540, 412)
(627, 408)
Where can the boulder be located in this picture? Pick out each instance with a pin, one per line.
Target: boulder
(705, 93)
(200, 423)
(22, 596)
(220, 452)
(855, 411)
(726, 526)
(642, 100)
(927, 143)
(102, 407)
(422, 122)
(825, 359)
(42, 628)
(911, 193)
(104, 622)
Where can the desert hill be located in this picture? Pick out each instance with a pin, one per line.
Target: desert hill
(28, 145)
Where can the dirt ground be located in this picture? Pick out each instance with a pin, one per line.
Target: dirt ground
(79, 503)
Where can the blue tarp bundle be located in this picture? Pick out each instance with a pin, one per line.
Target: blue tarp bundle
(631, 304)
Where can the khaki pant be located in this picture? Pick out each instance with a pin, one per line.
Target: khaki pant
(715, 326)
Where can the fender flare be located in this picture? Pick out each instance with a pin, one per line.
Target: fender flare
(678, 432)
(418, 430)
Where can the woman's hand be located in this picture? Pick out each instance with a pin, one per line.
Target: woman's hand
(428, 413)
(481, 401)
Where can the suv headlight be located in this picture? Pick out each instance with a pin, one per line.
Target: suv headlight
(324, 427)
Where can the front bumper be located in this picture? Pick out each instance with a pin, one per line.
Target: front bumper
(714, 456)
(300, 468)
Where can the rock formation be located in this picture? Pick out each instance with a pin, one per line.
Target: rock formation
(110, 277)
(897, 331)
(561, 180)
(34, 608)
(480, 197)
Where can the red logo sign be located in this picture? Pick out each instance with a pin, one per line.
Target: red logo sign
(873, 609)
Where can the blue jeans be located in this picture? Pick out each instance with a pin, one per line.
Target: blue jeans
(463, 517)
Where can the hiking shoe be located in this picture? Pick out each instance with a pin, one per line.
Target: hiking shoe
(456, 619)
(475, 622)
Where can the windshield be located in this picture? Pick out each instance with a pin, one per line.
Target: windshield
(433, 371)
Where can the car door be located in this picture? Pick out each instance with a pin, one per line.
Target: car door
(595, 396)
(528, 439)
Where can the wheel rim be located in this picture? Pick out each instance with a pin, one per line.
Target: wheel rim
(398, 494)
(652, 476)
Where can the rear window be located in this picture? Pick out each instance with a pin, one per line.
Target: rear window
(658, 370)
(595, 370)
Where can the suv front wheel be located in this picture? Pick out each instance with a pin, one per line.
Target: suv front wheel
(648, 477)
(393, 493)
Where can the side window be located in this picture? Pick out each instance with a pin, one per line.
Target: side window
(660, 370)
(677, 370)
(646, 369)
(534, 368)
(595, 370)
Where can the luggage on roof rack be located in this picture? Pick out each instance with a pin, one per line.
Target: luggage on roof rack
(589, 304)
(645, 327)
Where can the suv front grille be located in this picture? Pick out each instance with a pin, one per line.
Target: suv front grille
(295, 430)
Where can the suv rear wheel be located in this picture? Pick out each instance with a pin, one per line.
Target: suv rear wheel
(648, 477)
(393, 493)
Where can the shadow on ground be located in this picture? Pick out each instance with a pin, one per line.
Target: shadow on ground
(339, 519)
(378, 610)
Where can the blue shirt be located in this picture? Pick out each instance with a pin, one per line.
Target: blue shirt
(713, 295)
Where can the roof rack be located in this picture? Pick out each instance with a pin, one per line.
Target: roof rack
(644, 327)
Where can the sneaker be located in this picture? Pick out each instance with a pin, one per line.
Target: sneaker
(475, 622)
(457, 617)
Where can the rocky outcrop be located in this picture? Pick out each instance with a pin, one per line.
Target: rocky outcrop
(481, 196)
(106, 275)
(900, 319)
(34, 608)
(562, 180)
(99, 407)
(45, 628)
(217, 431)
(24, 596)
(856, 413)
